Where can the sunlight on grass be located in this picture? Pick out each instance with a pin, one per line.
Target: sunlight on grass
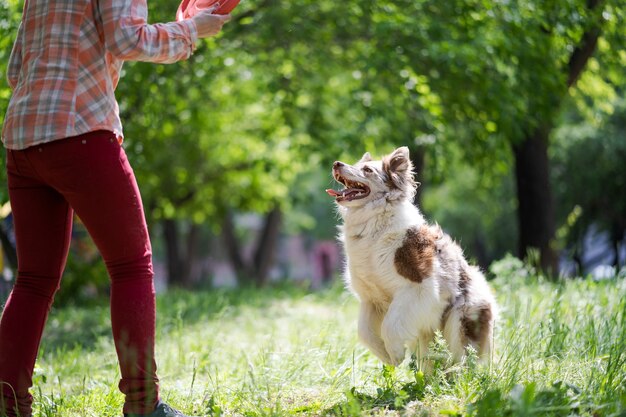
(561, 350)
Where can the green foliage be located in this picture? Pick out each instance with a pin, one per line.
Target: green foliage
(476, 208)
(512, 270)
(495, 53)
(203, 137)
(560, 399)
(391, 394)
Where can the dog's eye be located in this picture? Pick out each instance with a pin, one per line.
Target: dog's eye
(367, 169)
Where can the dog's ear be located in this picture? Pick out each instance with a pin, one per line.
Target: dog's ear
(398, 163)
(399, 169)
(399, 160)
(366, 157)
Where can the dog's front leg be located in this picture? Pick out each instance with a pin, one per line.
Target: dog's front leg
(370, 319)
(412, 317)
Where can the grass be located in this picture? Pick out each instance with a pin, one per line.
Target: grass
(561, 351)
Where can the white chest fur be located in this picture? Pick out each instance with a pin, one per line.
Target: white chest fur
(371, 244)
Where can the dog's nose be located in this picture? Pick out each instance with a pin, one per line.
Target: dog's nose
(338, 164)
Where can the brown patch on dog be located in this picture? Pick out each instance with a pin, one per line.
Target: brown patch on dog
(414, 259)
(477, 330)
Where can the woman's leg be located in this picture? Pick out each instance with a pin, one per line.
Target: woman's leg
(43, 222)
(101, 188)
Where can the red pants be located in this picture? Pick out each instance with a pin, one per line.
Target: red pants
(91, 175)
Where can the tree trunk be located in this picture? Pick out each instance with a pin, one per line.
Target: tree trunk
(578, 260)
(256, 270)
(617, 235)
(266, 247)
(480, 251)
(244, 277)
(534, 196)
(189, 258)
(172, 248)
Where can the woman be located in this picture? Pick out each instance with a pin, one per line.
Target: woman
(63, 134)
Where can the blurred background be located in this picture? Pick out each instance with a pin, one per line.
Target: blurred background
(514, 113)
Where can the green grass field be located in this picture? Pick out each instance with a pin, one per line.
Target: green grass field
(561, 351)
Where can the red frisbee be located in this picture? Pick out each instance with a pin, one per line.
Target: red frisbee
(189, 8)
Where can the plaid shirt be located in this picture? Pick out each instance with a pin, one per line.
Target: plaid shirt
(66, 63)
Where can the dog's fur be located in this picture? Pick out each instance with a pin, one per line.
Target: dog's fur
(410, 277)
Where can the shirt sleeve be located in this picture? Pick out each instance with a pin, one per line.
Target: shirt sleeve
(15, 60)
(129, 37)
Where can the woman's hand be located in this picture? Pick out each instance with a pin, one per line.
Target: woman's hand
(209, 24)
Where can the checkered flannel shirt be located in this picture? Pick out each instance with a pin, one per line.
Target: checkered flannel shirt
(66, 62)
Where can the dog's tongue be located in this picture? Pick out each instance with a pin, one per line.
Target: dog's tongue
(345, 194)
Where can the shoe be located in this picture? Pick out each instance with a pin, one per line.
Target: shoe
(161, 410)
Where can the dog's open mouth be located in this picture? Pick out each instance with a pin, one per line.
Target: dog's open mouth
(353, 190)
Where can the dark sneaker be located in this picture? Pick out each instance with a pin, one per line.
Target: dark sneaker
(162, 410)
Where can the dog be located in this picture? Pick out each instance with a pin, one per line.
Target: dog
(410, 277)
